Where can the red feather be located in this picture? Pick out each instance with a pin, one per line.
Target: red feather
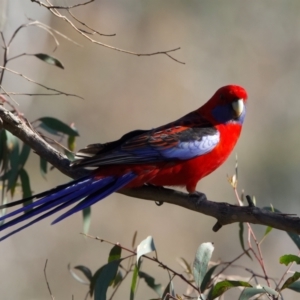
(188, 172)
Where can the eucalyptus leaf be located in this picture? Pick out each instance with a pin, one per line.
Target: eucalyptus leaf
(49, 60)
(57, 125)
(202, 258)
(223, 286)
(146, 246)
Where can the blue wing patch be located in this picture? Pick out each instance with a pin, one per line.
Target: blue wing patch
(153, 146)
(193, 148)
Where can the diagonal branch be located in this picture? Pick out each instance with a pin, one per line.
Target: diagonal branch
(225, 213)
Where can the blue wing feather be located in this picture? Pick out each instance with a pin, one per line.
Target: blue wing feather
(184, 139)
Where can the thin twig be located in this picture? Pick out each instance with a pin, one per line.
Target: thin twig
(54, 142)
(4, 57)
(39, 84)
(28, 94)
(48, 285)
(258, 256)
(45, 26)
(9, 96)
(16, 56)
(228, 264)
(87, 26)
(61, 7)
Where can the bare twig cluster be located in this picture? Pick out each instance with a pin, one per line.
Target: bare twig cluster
(55, 10)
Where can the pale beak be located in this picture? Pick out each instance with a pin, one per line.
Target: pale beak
(238, 107)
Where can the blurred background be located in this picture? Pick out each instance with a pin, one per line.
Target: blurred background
(255, 44)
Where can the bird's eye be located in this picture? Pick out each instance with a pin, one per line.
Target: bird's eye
(222, 98)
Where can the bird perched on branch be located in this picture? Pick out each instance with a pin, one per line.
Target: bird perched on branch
(179, 153)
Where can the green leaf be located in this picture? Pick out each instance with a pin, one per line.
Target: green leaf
(290, 280)
(25, 182)
(202, 258)
(295, 238)
(118, 279)
(115, 253)
(146, 246)
(57, 125)
(49, 60)
(134, 239)
(3, 151)
(86, 214)
(43, 167)
(110, 270)
(289, 258)
(188, 268)
(270, 291)
(48, 129)
(241, 237)
(268, 230)
(6, 175)
(70, 155)
(151, 283)
(207, 278)
(85, 270)
(71, 142)
(24, 155)
(134, 281)
(250, 292)
(295, 286)
(3, 211)
(223, 286)
(103, 278)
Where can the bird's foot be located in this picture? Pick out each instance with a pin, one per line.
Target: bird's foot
(197, 196)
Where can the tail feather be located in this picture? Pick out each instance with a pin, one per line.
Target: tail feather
(91, 190)
(49, 198)
(52, 201)
(43, 194)
(95, 197)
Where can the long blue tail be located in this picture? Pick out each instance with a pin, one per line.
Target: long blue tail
(89, 189)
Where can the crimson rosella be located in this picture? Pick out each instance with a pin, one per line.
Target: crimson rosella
(177, 154)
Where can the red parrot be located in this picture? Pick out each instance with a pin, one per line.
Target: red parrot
(179, 153)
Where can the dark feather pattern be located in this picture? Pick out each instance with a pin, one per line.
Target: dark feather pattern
(150, 146)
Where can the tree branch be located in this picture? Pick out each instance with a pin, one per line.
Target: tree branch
(225, 213)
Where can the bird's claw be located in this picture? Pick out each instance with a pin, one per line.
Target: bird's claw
(198, 196)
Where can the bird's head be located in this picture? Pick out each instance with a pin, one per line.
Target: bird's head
(228, 104)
